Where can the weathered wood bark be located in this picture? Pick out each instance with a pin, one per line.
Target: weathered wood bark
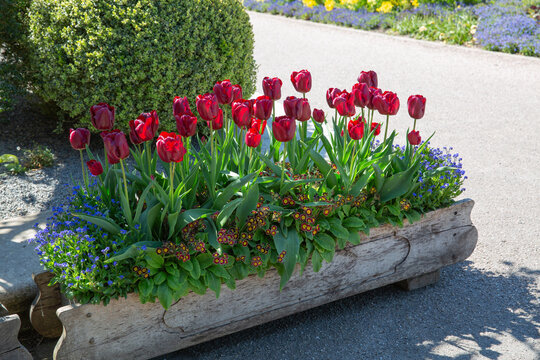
(127, 329)
(43, 310)
(10, 347)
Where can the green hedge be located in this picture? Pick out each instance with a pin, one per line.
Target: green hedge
(135, 54)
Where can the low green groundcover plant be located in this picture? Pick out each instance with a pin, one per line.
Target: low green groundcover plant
(195, 213)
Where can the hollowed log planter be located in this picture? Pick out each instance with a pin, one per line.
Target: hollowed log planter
(411, 256)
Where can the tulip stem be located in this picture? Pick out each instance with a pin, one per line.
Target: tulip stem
(125, 182)
(283, 163)
(83, 171)
(414, 126)
(352, 162)
(106, 158)
(386, 126)
(148, 157)
(171, 182)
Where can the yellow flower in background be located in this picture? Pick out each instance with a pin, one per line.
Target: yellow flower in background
(385, 7)
(414, 3)
(372, 3)
(329, 5)
(309, 3)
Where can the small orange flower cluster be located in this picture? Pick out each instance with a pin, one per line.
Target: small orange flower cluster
(227, 236)
(288, 201)
(192, 229)
(271, 231)
(405, 205)
(241, 258)
(200, 246)
(220, 260)
(307, 221)
(281, 256)
(182, 253)
(244, 238)
(263, 249)
(141, 271)
(257, 219)
(256, 261)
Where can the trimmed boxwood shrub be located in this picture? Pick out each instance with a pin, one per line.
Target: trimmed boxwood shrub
(136, 54)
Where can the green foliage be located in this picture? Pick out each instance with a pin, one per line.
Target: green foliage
(135, 55)
(38, 157)
(11, 164)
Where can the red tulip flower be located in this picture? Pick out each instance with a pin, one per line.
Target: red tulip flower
(170, 147)
(207, 106)
(95, 167)
(116, 145)
(79, 138)
(224, 91)
(217, 122)
(258, 124)
(386, 103)
(414, 137)
(361, 94)
(356, 128)
(272, 87)
(369, 78)
(318, 116)
(262, 108)
(289, 105)
(372, 93)
(251, 107)
(237, 92)
(181, 106)
(284, 128)
(303, 110)
(331, 95)
(344, 103)
(375, 127)
(241, 113)
(143, 128)
(416, 105)
(186, 125)
(253, 138)
(301, 81)
(102, 116)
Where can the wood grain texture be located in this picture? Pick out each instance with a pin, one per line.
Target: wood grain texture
(127, 329)
(43, 310)
(10, 347)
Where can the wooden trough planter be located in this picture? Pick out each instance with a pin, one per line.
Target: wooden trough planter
(410, 256)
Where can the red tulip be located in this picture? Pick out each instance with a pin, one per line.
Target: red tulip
(260, 125)
(237, 92)
(289, 105)
(377, 127)
(253, 138)
(251, 107)
(102, 116)
(414, 137)
(303, 110)
(301, 81)
(207, 106)
(284, 128)
(369, 78)
(344, 103)
(356, 128)
(170, 147)
(217, 122)
(272, 87)
(181, 106)
(331, 95)
(79, 138)
(262, 109)
(224, 91)
(186, 125)
(386, 103)
(416, 105)
(241, 113)
(318, 115)
(116, 145)
(144, 128)
(95, 167)
(361, 94)
(372, 93)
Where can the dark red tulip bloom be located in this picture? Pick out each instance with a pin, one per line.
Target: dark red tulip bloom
(237, 92)
(289, 105)
(170, 147)
(414, 137)
(262, 108)
(272, 87)
(416, 105)
(95, 167)
(284, 128)
(224, 91)
(344, 103)
(386, 103)
(253, 138)
(181, 106)
(79, 138)
(361, 94)
(301, 81)
(217, 122)
(356, 128)
(260, 125)
(372, 93)
(241, 113)
(376, 127)
(102, 116)
(207, 106)
(186, 125)
(331, 95)
(369, 78)
(143, 128)
(116, 145)
(303, 110)
(318, 115)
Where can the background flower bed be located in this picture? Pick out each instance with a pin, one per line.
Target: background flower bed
(500, 25)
